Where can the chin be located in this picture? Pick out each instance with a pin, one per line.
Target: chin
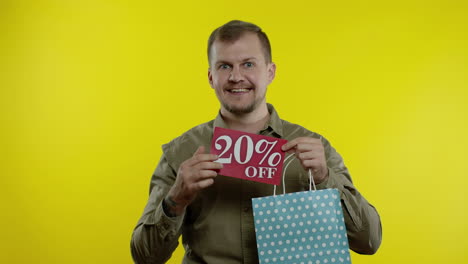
(238, 110)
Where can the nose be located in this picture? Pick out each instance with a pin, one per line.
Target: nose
(236, 75)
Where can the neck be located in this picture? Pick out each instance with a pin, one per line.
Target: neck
(251, 123)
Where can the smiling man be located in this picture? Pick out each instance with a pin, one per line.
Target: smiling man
(214, 214)
(240, 73)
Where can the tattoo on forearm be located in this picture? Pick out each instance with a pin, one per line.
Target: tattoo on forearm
(169, 206)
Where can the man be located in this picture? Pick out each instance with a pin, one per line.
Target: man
(213, 213)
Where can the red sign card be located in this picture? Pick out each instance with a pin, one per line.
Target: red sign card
(249, 156)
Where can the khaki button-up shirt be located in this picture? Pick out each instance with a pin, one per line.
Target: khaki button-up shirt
(218, 226)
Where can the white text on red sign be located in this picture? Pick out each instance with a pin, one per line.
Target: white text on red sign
(249, 156)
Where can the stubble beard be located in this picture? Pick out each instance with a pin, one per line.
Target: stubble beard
(243, 110)
(238, 110)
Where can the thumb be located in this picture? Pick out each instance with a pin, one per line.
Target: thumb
(200, 150)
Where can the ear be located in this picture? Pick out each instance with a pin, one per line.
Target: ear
(210, 78)
(271, 71)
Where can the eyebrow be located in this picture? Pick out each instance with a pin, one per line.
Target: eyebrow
(250, 58)
(221, 62)
(244, 60)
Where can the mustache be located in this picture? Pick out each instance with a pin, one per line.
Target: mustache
(238, 86)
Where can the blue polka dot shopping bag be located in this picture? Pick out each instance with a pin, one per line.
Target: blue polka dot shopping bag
(303, 227)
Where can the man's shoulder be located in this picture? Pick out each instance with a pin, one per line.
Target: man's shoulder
(198, 131)
(186, 144)
(292, 130)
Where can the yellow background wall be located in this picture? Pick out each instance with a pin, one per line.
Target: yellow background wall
(90, 90)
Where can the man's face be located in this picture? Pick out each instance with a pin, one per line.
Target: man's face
(239, 73)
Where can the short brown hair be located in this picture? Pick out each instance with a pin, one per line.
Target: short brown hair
(233, 30)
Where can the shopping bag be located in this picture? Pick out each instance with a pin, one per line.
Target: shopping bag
(302, 227)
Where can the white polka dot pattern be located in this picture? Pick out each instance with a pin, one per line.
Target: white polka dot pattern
(302, 227)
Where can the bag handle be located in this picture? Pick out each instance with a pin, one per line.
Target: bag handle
(311, 178)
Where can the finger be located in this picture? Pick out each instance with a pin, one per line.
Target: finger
(308, 155)
(291, 144)
(210, 165)
(310, 147)
(205, 157)
(204, 183)
(200, 150)
(201, 158)
(193, 160)
(313, 164)
(204, 174)
(304, 147)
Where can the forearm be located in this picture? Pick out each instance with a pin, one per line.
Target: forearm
(156, 235)
(155, 238)
(366, 237)
(362, 220)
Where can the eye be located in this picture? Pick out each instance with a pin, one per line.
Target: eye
(248, 64)
(224, 66)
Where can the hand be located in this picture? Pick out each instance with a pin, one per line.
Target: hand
(311, 153)
(194, 174)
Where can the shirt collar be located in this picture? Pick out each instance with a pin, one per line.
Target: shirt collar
(274, 123)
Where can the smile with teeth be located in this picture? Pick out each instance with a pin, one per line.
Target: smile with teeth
(239, 90)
